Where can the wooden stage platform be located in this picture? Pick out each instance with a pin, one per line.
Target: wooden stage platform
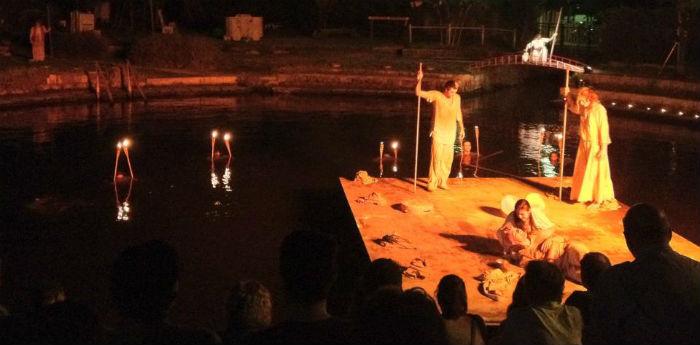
(459, 235)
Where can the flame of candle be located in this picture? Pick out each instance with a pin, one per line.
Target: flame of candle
(214, 133)
(126, 142)
(395, 145)
(227, 136)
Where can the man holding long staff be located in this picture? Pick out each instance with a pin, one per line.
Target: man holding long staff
(447, 112)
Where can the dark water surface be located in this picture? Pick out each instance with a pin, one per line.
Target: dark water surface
(60, 210)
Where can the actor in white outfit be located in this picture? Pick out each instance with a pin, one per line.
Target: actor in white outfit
(536, 51)
(446, 115)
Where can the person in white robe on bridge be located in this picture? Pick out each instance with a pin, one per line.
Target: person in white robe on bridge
(536, 51)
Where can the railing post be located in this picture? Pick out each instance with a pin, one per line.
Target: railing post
(410, 33)
(449, 34)
(483, 34)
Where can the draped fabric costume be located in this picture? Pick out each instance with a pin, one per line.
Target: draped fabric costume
(36, 37)
(540, 243)
(537, 51)
(447, 112)
(591, 180)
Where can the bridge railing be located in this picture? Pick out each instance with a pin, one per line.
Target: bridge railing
(559, 62)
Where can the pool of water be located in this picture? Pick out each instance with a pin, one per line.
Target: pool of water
(62, 218)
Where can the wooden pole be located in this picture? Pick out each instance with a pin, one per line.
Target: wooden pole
(563, 139)
(107, 87)
(116, 162)
(97, 85)
(476, 136)
(128, 161)
(556, 31)
(415, 164)
(153, 25)
(127, 77)
(48, 22)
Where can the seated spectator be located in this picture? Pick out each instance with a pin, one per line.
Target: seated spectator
(544, 320)
(654, 299)
(45, 292)
(308, 267)
(382, 272)
(67, 323)
(249, 308)
(593, 265)
(392, 317)
(144, 286)
(3, 311)
(461, 328)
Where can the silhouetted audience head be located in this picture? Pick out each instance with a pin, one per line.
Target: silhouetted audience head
(452, 297)
(144, 281)
(308, 265)
(390, 316)
(645, 228)
(543, 282)
(382, 272)
(249, 307)
(519, 298)
(44, 292)
(68, 323)
(593, 265)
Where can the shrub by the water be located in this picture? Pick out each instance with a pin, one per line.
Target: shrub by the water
(79, 45)
(634, 35)
(178, 51)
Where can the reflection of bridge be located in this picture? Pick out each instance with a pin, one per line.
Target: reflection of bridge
(558, 62)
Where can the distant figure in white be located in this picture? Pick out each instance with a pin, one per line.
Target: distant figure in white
(536, 51)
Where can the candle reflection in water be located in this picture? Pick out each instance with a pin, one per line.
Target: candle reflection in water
(225, 179)
(123, 207)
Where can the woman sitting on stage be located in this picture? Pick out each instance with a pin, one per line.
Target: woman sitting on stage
(527, 235)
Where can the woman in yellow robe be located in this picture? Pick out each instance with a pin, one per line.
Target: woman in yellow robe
(37, 36)
(591, 182)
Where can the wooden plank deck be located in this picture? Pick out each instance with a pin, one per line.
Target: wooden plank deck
(458, 236)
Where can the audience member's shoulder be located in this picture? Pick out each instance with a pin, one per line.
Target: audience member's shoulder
(330, 331)
(168, 334)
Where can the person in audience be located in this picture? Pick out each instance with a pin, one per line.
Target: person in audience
(308, 266)
(593, 265)
(524, 238)
(67, 322)
(382, 272)
(3, 311)
(45, 292)
(542, 319)
(654, 299)
(461, 328)
(249, 308)
(144, 282)
(392, 317)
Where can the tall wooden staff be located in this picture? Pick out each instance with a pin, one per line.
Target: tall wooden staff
(556, 31)
(415, 165)
(48, 22)
(563, 136)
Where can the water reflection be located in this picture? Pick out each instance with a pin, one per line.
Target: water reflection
(123, 206)
(225, 179)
